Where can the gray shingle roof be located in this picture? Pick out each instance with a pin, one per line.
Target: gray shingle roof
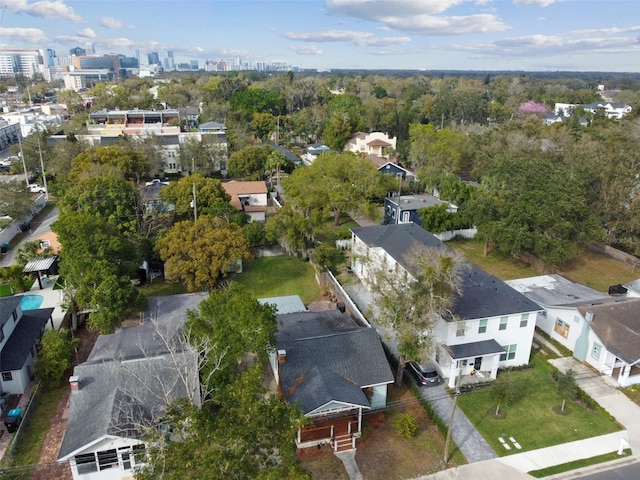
(7, 306)
(555, 290)
(129, 374)
(617, 324)
(483, 295)
(120, 398)
(475, 349)
(26, 333)
(328, 358)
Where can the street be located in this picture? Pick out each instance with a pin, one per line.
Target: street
(627, 472)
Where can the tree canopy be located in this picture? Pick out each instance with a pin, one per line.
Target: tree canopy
(203, 252)
(209, 194)
(250, 163)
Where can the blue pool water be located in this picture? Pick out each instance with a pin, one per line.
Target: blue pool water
(31, 302)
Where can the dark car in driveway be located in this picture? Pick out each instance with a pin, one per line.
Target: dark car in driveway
(423, 376)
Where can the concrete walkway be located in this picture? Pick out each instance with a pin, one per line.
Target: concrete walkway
(348, 458)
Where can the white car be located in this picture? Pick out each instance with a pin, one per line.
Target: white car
(156, 182)
(35, 188)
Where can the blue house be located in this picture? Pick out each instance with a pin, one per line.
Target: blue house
(404, 208)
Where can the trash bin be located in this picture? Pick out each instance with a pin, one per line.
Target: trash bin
(340, 306)
(6, 246)
(14, 417)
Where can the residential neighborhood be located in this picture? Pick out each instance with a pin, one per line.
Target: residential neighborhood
(283, 276)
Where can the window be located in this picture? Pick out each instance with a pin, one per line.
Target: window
(86, 463)
(460, 326)
(509, 352)
(107, 459)
(7, 376)
(503, 323)
(482, 328)
(45, 244)
(14, 314)
(1, 334)
(595, 351)
(524, 320)
(406, 216)
(561, 328)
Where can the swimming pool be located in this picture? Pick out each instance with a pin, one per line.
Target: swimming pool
(31, 302)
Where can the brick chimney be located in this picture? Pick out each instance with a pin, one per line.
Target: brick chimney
(74, 382)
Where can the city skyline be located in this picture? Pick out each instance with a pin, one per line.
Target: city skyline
(530, 35)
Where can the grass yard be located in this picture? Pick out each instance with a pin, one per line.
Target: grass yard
(276, 276)
(591, 268)
(29, 447)
(585, 462)
(532, 421)
(159, 287)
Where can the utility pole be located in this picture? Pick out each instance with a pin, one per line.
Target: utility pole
(24, 164)
(44, 177)
(447, 442)
(195, 207)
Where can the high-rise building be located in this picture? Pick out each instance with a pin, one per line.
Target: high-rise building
(170, 60)
(77, 51)
(154, 59)
(20, 63)
(137, 55)
(193, 64)
(89, 48)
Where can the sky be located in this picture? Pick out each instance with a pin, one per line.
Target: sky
(529, 35)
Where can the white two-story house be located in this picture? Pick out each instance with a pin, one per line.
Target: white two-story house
(374, 143)
(248, 197)
(491, 325)
(20, 331)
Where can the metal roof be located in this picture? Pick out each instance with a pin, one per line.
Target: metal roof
(39, 264)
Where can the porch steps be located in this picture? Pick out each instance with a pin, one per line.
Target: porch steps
(343, 443)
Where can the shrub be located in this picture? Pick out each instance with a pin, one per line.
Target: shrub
(405, 425)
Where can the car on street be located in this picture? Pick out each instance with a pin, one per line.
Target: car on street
(156, 182)
(424, 376)
(35, 188)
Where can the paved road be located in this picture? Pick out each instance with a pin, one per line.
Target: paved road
(627, 472)
(39, 225)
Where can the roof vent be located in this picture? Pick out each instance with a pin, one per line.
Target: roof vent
(74, 382)
(589, 316)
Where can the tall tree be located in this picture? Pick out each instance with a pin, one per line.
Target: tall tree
(203, 252)
(411, 305)
(336, 184)
(249, 163)
(209, 194)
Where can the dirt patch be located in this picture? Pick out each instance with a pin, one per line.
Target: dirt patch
(48, 469)
(381, 453)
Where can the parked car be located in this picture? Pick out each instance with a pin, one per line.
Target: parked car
(35, 188)
(156, 182)
(424, 376)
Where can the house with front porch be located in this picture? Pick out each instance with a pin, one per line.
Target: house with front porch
(491, 325)
(335, 370)
(20, 332)
(374, 143)
(122, 392)
(600, 329)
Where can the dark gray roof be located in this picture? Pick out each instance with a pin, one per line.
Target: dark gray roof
(617, 325)
(483, 295)
(475, 349)
(120, 398)
(130, 372)
(416, 202)
(292, 157)
(169, 139)
(165, 314)
(24, 336)
(7, 306)
(328, 358)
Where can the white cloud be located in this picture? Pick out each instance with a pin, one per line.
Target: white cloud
(539, 3)
(442, 25)
(111, 22)
(30, 35)
(378, 9)
(86, 33)
(43, 8)
(349, 36)
(307, 50)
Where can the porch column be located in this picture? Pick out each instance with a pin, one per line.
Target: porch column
(359, 420)
(623, 376)
(494, 366)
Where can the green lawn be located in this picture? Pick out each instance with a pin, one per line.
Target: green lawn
(591, 268)
(27, 451)
(532, 421)
(585, 462)
(276, 276)
(159, 287)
